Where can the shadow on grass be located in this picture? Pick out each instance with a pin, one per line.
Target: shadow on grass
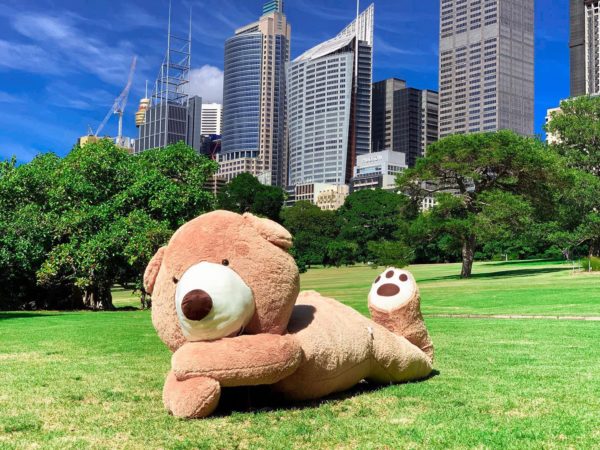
(501, 274)
(257, 399)
(523, 262)
(25, 315)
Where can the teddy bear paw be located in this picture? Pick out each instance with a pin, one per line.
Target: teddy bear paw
(395, 304)
(191, 399)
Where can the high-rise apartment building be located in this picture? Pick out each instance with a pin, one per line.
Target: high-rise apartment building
(585, 47)
(486, 66)
(404, 119)
(212, 118)
(329, 105)
(254, 92)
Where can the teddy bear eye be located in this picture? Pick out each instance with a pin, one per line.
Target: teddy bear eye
(225, 262)
(175, 280)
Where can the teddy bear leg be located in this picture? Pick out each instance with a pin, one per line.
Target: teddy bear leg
(395, 303)
(191, 399)
(395, 359)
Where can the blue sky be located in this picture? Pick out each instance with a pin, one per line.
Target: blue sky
(63, 62)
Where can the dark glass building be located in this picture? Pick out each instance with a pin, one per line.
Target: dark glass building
(404, 119)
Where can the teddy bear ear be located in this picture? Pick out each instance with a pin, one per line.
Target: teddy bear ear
(152, 270)
(271, 231)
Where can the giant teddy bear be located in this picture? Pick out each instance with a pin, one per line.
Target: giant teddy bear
(226, 301)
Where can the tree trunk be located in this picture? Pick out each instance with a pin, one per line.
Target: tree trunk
(98, 298)
(468, 255)
(145, 300)
(594, 248)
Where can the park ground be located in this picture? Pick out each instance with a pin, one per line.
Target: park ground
(94, 380)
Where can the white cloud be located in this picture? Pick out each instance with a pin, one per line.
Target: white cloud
(29, 58)
(5, 97)
(207, 82)
(60, 44)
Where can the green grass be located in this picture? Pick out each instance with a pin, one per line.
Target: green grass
(531, 288)
(94, 380)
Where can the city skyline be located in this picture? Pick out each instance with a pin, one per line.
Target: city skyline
(53, 88)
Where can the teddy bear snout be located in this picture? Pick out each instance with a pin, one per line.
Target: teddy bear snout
(196, 304)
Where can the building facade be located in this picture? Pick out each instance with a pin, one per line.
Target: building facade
(404, 119)
(165, 117)
(378, 170)
(324, 195)
(585, 47)
(254, 93)
(552, 138)
(486, 66)
(212, 118)
(329, 105)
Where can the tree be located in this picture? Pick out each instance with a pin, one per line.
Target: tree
(370, 215)
(576, 128)
(313, 229)
(490, 183)
(390, 253)
(79, 225)
(26, 222)
(246, 194)
(341, 253)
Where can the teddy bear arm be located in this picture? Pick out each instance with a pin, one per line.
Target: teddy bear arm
(246, 360)
(191, 399)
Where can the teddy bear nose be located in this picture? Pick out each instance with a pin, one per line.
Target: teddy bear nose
(388, 290)
(196, 304)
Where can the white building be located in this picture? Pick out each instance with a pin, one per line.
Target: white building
(550, 137)
(378, 170)
(329, 105)
(212, 118)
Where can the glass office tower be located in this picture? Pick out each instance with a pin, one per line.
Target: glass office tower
(329, 105)
(254, 90)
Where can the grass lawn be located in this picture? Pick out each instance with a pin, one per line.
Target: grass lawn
(94, 380)
(536, 287)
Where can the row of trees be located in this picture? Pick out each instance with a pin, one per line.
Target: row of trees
(73, 227)
(497, 194)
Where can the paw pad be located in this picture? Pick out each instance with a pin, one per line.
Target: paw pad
(392, 289)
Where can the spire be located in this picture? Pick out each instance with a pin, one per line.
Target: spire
(273, 6)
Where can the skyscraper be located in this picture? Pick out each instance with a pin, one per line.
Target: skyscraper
(212, 118)
(486, 66)
(585, 47)
(404, 119)
(329, 105)
(254, 91)
(171, 115)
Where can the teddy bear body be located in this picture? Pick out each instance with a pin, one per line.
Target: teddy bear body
(226, 302)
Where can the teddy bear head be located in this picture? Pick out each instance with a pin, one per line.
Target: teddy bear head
(222, 274)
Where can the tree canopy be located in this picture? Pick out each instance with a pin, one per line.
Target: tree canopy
(486, 185)
(576, 129)
(71, 228)
(246, 194)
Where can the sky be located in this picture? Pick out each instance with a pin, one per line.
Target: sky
(63, 62)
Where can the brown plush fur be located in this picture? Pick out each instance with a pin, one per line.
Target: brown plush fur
(305, 351)
(406, 321)
(267, 269)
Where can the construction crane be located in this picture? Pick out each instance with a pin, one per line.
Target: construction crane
(118, 107)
